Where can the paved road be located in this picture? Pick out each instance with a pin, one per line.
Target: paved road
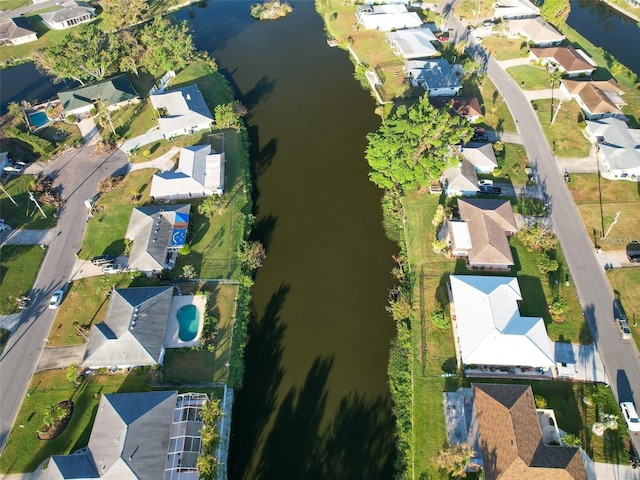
(621, 358)
(78, 174)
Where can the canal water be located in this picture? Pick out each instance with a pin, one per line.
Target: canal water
(607, 28)
(315, 404)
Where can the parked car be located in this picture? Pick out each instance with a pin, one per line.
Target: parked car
(111, 268)
(490, 190)
(479, 131)
(14, 168)
(625, 331)
(443, 38)
(567, 177)
(630, 416)
(634, 257)
(103, 259)
(484, 183)
(56, 299)
(488, 23)
(479, 137)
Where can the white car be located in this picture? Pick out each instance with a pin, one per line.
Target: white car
(630, 416)
(56, 299)
(111, 268)
(485, 183)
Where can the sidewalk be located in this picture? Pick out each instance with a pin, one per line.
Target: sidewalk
(163, 163)
(152, 135)
(27, 237)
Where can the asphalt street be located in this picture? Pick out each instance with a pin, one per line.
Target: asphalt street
(77, 173)
(621, 358)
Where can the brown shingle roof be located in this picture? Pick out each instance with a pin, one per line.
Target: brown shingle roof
(596, 95)
(511, 439)
(567, 57)
(463, 106)
(489, 221)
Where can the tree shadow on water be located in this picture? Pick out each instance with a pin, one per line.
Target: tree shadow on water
(257, 400)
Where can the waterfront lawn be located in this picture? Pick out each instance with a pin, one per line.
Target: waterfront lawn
(134, 120)
(502, 48)
(617, 196)
(496, 114)
(19, 265)
(625, 283)
(214, 87)
(530, 77)
(24, 451)
(106, 229)
(186, 366)
(26, 214)
(215, 240)
(565, 135)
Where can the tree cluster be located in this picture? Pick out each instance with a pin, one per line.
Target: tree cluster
(89, 54)
(414, 146)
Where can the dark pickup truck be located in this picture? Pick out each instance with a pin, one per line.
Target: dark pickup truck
(490, 190)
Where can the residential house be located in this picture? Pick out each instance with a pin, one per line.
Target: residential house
(510, 9)
(69, 14)
(413, 43)
(516, 441)
(467, 107)
(481, 156)
(435, 76)
(200, 173)
(567, 59)
(114, 93)
(133, 329)
(480, 234)
(460, 180)
(181, 111)
(597, 99)
(16, 31)
(387, 17)
(138, 436)
(156, 233)
(618, 147)
(535, 30)
(489, 331)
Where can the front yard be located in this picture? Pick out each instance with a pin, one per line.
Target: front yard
(565, 135)
(25, 214)
(19, 265)
(530, 77)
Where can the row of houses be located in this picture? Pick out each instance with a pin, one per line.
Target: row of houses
(17, 30)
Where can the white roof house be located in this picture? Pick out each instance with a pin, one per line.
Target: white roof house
(481, 156)
(200, 173)
(536, 30)
(182, 111)
(435, 76)
(506, 9)
(461, 180)
(618, 147)
(68, 15)
(413, 43)
(489, 328)
(387, 17)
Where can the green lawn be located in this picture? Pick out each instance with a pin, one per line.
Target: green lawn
(19, 265)
(106, 229)
(530, 77)
(625, 283)
(25, 214)
(617, 196)
(504, 48)
(134, 120)
(6, 5)
(565, 135)
(70, 135)
(24, 451)
(214, 87)
(511, 164)
(496, 114)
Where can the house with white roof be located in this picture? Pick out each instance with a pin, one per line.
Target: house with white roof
(460, 180)
(435, 76)
(157, 233)
(535, 30)
(387, 17)
(508, 9)
(181, 111)
(138, 436)
(618, 147)
(413, 43)
(16, 31)
(69, 14)
(481, 156)
(200, 173)
(489, 330)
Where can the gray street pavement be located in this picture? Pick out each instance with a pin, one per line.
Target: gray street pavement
(78, 174)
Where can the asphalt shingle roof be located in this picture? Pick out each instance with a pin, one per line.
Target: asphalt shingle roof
(111, 92)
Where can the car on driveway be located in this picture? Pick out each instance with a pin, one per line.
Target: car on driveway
(14, 168)
(103, 259)
(111, 268)
(485, 183)
(630, 416)
(634, 257)
(490, 190)
(479, 137)
(625, 331)
(56, 299)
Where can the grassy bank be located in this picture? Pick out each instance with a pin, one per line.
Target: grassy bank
(19, 265)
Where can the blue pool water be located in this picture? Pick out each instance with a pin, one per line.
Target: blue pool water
(38, 119)
(189, 319)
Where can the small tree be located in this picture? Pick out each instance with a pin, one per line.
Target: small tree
(211, 206)
(399, 304)
(188, 271)
(537, 238)
(72, 374)
(541, 402)
(547, 265)
(558, 306)
(440, 319)
(251, 255)
(438, 216)
(571, 440)
(14, 110)
(455, 458)
(53, 414)
(225, 116)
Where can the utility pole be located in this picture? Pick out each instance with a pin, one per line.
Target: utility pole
(33, 199)
(615, 220)
(7, 194)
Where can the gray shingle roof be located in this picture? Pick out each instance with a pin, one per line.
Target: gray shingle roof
(71, 467)
(433, 73)
(14, 28)
(111, 92)
(65, 13)
(132, 332)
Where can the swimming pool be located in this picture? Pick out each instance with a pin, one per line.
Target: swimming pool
(38, 119)
(189, 320)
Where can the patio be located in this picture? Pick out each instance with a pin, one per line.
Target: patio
(171, 336)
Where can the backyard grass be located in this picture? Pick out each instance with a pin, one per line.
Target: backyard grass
(106, 229)
(502, 48)
(134, 120)
(194, 367)
(530, 77)
(214, 87)
(617, 196)
(565, 135)
(24, 451)
(19, 265)
(25, 214)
